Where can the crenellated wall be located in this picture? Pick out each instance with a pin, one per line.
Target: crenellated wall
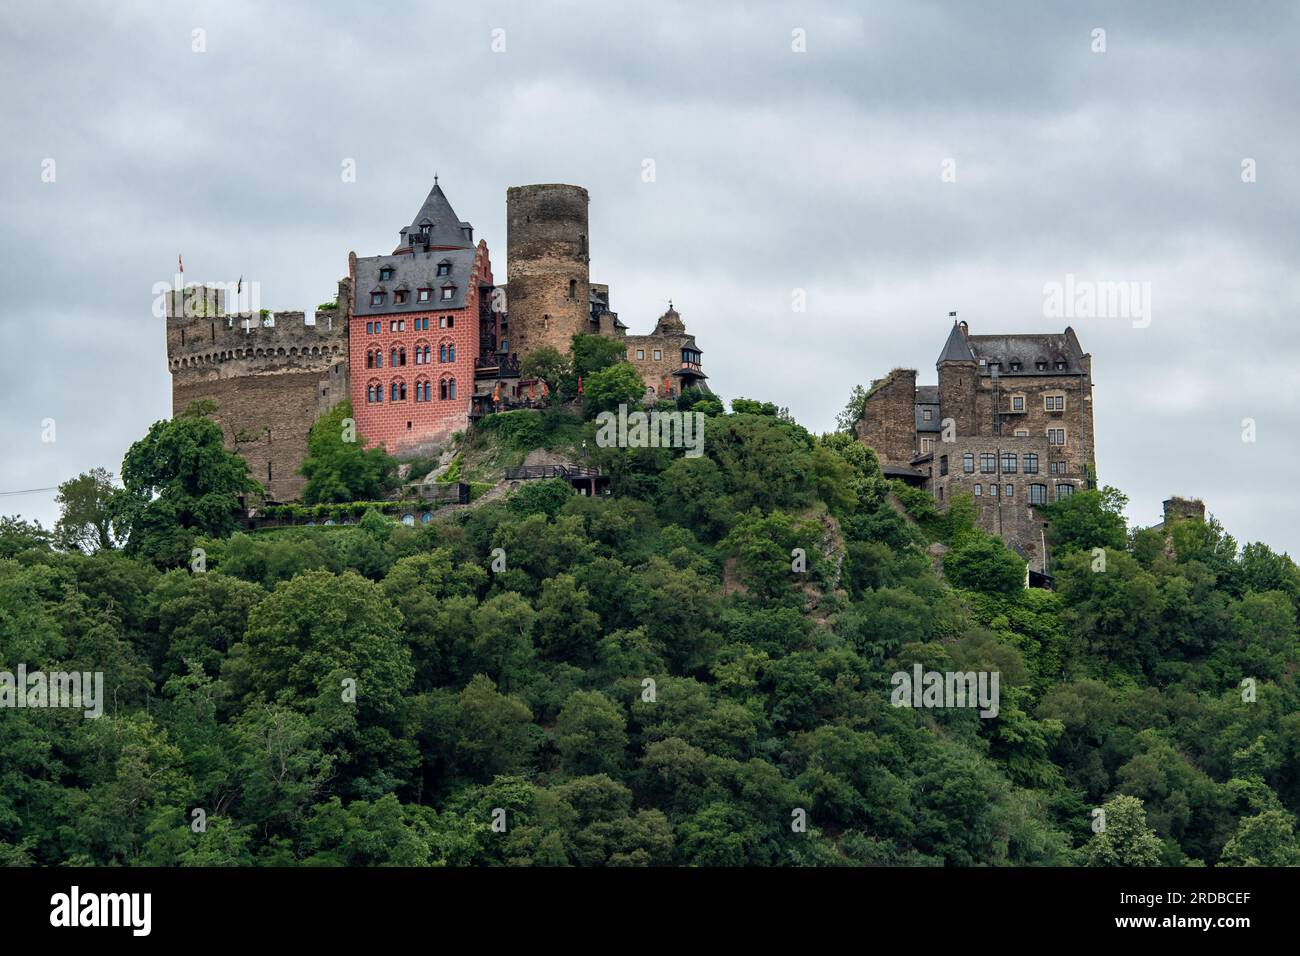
(270, 381)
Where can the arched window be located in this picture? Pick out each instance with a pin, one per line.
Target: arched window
(370, 359)
(451, 388)
(379, 359)
(1038, 494)
(968, 462)
(442, 352)
(370, 394)
(401, 355)
(426, 354)
(451, 352)
(1031, 463)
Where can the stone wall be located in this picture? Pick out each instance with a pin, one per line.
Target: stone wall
(270, 382)
(888, 422)
(548, 282)
(1012, 517)
(1177, 509)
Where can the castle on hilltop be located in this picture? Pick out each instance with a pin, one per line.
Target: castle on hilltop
(1010, 423)
(422, 339)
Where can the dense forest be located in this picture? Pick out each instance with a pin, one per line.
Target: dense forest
(694, 670)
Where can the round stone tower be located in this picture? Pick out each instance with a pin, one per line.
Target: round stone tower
(548, 287)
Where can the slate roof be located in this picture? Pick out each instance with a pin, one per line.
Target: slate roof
(955, 349)
(927, 394)
(413, 271)
(445, 227)
(1028, 349)
(415, 265)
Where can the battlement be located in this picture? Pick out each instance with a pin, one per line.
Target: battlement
(249, 344)
(203, 338)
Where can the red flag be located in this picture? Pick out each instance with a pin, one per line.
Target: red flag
(579, 384)
(180, 264)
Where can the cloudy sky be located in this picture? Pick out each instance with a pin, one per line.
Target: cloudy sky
(794, 147)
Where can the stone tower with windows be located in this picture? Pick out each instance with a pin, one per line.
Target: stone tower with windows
(1010, 424)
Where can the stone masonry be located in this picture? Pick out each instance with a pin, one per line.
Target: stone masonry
(1010, 423)
(270, 378)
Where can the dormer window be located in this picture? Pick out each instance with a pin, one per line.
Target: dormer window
(1041, 366)
(385, 274)
(425, 227)
(1060, 366)
(376, 298)
(448, 293)
(399, 298)
(444, 268)
(423, 295)
(1015, 366)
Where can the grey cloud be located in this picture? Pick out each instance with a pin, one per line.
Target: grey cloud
(776, 171)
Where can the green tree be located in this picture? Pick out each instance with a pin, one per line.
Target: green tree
(495, 732)
(607, 389)
(338, 467)
(179, 481)
(983, 563)
(1087, 520)
(590, 734)
(847, 420)
(86, 510)
(313, 632)
(1126, 839)
(546, 364)
(1266, 839)
(591, 353)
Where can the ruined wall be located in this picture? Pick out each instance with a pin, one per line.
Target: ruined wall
(548, 282)
(1177, 509)
(888, 422)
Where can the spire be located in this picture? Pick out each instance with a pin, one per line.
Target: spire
(439, 221)
(956, 349)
